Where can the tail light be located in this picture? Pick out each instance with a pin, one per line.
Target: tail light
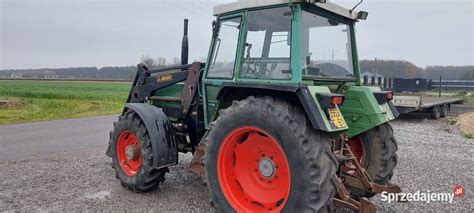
(383, 97)
(389, 96)
(337, 100)
(327, 100)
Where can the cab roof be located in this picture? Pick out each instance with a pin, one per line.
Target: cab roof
(248, 4)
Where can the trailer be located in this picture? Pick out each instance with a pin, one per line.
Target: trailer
(437, 107)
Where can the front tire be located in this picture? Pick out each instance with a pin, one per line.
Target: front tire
(262, 155)
(132, 156)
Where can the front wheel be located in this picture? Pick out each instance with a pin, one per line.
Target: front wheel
(262, 155)
(132, 156)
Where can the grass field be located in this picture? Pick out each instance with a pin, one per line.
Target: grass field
(50, 100)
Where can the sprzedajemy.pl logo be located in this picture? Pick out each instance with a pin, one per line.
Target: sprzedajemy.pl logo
(424, 196)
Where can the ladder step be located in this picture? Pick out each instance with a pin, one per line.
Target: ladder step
(165, 98)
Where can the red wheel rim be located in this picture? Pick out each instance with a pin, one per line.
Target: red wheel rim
(253, 171)
(129, 153)
(357, 149)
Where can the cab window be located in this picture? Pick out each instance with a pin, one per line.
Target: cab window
(222, 63)
(267, 44)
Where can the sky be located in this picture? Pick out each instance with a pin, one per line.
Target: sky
(73, 33)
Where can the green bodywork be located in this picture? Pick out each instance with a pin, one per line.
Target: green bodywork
(360, 110)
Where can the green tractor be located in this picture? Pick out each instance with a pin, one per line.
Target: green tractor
(276, 118)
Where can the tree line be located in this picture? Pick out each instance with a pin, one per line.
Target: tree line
(387, 68)
(405, 69)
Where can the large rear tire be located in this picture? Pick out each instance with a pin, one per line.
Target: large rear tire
(376, 150)
(132, 156)
(263, 155)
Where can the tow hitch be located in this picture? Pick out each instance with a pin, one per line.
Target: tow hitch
(352, 174)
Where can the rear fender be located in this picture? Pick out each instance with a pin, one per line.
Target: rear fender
(300, 95)
(161, 131)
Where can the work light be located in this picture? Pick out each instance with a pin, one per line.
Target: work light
(362, 15)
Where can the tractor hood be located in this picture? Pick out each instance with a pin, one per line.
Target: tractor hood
(248, 4)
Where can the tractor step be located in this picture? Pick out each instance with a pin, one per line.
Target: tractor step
(165, 98)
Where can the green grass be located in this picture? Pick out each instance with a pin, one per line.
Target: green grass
(467, 135)
(452, 121)
(51, 100)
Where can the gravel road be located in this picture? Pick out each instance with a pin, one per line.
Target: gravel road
(432, 156)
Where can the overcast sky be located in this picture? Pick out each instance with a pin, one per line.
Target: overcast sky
(60, 33)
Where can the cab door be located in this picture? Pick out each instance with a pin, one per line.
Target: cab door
(222, 62)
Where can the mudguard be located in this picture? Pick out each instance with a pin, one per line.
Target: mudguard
(305, 95)
(161, 131)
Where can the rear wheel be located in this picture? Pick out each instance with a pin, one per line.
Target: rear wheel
(262, 155)
(444, 111)
(376, 151)
(132, 156)
(435, 113)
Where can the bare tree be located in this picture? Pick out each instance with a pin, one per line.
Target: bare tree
(147, 60)
(160, 61)
(175, 61)
(200, 59)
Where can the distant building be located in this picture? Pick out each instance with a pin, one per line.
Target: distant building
(370, 78)
(16, 75)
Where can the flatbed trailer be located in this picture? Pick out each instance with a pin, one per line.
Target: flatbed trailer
(438, 107)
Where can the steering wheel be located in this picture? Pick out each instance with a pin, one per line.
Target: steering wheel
(263, 68)
(259, 69)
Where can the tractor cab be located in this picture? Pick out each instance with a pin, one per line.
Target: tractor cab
(276, 41)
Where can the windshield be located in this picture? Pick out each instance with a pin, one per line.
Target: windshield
(326, 47)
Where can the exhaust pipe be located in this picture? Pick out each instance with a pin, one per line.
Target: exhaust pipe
(185, 44)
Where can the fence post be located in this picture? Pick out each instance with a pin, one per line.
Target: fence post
(439, 86)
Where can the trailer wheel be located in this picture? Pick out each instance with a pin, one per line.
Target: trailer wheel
(262, 155)
(376, 150)
(132, 156)
(435, 112)
(444, 110)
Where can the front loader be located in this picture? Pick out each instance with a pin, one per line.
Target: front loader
(276, 118)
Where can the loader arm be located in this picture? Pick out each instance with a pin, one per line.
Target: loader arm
(147, 82)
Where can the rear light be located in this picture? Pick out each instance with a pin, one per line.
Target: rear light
(337, 100)
(383, 97)
(389, 96)
(328, 100)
